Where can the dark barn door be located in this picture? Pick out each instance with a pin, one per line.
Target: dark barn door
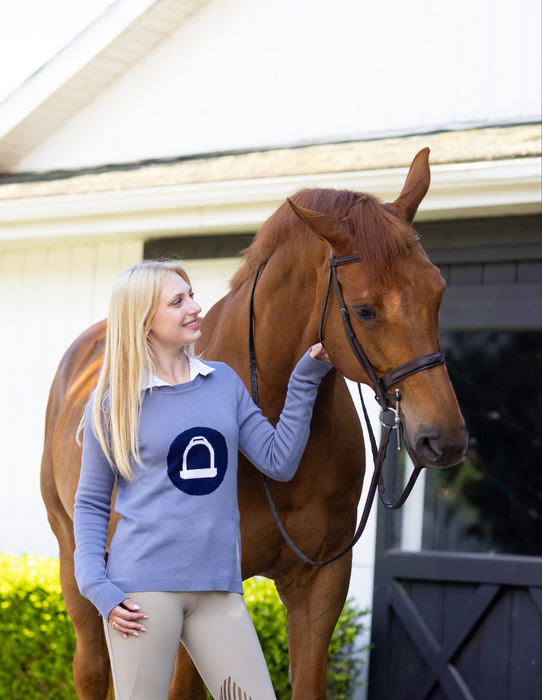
(457, 607)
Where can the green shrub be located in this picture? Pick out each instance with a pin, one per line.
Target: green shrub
(37, 638)
(38, 642)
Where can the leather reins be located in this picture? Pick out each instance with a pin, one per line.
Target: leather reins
(380, 386)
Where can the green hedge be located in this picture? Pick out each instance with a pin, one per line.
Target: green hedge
(38, 643)
(37, 638)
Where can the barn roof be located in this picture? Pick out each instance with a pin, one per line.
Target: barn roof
(470, 146)
(116, 40)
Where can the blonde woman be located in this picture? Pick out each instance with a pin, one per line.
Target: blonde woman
(166, 427)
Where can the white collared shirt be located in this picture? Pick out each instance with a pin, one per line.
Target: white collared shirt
(196, 367)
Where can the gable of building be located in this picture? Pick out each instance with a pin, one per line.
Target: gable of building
(106, 49)
(244, 75)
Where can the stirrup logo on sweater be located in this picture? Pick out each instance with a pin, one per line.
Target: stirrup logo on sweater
(197, 461)
(201, 473)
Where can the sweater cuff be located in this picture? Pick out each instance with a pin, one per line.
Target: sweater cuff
(107, 599)
(311, 369)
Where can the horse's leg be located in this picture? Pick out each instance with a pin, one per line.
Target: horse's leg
(186, 683)
(314, 599)
(91, 669)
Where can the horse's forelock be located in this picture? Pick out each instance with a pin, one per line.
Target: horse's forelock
(378, 235)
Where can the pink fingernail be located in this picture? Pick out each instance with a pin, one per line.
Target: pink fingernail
(143, 629)
(145, 617)
(136, 607)
(136, 634)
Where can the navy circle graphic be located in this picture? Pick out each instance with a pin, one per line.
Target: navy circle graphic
(197, 461)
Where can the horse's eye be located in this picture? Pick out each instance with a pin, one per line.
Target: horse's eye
(365, 313)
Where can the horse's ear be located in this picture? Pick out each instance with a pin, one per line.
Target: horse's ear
(325, 227)
(415, 188)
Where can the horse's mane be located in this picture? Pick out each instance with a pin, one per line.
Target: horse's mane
(378, 235)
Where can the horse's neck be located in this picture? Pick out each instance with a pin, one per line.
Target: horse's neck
(286, 320)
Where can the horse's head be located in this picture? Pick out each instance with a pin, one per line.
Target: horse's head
(393, 297)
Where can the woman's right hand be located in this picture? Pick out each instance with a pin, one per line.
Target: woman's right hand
(123, 618)
(318, 352)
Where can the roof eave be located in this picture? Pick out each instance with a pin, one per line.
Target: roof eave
(116, 40)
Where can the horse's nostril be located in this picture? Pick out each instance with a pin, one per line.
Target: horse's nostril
(434, 445)
(435, 449)
(427, 442)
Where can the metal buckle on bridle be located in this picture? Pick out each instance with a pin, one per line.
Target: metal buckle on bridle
(397, 419)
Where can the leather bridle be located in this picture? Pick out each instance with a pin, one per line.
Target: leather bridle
(380, 386)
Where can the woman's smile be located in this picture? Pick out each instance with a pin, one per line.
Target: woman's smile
(192, 325)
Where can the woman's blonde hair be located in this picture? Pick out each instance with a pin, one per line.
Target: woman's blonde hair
(128, 354)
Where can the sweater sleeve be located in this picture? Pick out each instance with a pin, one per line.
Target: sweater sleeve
(277, 452)
(91, 519)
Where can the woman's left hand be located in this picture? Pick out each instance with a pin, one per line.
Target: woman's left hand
(318, 352)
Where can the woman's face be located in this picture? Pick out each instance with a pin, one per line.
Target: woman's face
(175, 322)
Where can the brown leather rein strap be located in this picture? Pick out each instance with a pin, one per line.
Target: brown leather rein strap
(380, 385)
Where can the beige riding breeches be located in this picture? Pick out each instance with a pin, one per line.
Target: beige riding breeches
(216, 629)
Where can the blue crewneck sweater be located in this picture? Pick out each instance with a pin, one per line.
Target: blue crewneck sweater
(179, 526)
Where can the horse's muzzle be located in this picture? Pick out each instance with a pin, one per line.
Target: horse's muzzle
(437, 450)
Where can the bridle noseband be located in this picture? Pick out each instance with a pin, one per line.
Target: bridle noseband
(380, 386)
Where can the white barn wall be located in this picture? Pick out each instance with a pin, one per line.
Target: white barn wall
(48, 296)
(246, 74)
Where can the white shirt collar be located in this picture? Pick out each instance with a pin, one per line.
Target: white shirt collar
(196, 367)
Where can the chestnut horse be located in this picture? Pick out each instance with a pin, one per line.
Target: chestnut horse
(393, 296)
